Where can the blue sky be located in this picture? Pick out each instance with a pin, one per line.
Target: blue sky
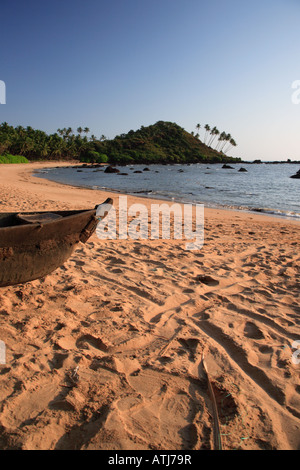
(116, 65)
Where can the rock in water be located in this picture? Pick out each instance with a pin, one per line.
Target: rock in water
(110, 169)
(297, 175)
(228, 167)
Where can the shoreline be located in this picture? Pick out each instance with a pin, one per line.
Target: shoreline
(29, 178)
(213, 206)
(105, 352)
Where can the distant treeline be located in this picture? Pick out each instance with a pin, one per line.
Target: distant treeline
(163, 142)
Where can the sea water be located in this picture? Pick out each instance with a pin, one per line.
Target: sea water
(264, 187)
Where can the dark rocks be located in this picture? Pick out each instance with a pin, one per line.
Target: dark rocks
(137, 171)
(227, 166)
(111, 169)
(243, 169)
(297, 175)
(146, 169)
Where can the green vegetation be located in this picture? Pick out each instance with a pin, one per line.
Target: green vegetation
(163, 142)
(7, 158)
(37, 145)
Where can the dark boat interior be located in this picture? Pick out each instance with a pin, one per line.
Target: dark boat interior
(14, 219)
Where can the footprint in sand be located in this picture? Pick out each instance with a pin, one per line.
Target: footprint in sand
(207, 280)
(227, 405)
(190, 344)
(265, 349)
(252, 331)
(79, 263)
(165, 359)
(58, 360)
(86, 341)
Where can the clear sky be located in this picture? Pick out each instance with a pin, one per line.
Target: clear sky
(118, 64)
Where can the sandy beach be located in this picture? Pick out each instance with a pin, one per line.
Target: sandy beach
(105, 352)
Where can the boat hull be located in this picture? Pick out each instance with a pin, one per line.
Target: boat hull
(33, 250)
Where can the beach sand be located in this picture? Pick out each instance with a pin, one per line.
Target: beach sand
(105, 353)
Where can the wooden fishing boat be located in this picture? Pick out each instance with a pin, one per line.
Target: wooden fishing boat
(33, 245)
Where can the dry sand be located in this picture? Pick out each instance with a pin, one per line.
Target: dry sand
(105, 353)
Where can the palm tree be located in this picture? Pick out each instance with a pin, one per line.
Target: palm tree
(227, 138)
(220, 140)
(232, 143)
(217, 132)
(198, 127)
(207, 129)
(213, 134)
(86, 130)
(79, 130)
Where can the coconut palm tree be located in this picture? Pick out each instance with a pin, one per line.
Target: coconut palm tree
(212, 133)
(220, 140)
(86, 130)
(207, 129)
(217, 132)
(232, 143)
(226, 139)
(198, 127)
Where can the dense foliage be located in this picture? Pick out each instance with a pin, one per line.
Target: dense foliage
(163, 142)
(7, 158)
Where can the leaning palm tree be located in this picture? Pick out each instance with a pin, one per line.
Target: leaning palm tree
(207, 129)
(226, 139)
(232, 143)
(220, 140)
(214, 132)
(217, 132)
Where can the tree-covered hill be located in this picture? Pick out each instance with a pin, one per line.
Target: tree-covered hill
(163, 142)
